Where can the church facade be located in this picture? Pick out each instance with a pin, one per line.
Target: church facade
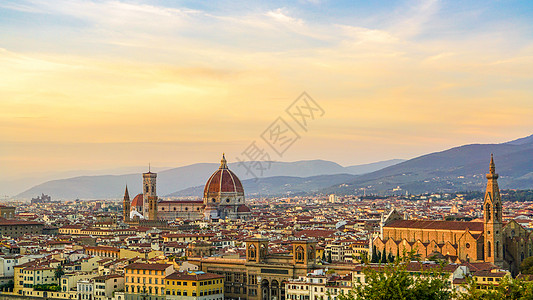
(223, 198)
(505, 244)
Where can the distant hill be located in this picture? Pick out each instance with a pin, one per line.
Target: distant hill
(457, 169)
(522, 141)
(177, 179)
(367, 168)
(278, 185)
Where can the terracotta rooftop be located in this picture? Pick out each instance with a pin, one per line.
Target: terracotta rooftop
(143, 266)
(445, 225)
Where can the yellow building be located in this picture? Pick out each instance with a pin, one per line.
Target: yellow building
(143, 280)
(195, 285)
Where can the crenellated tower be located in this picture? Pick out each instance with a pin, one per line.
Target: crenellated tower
(492, 218)
(126, 206)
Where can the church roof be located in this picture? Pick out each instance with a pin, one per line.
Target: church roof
(223, 181)
(443, 225)
(137, 201)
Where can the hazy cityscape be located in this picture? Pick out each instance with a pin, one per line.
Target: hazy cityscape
(281, 150)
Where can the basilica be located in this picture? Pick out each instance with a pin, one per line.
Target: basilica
(223, 198)
(505, 244)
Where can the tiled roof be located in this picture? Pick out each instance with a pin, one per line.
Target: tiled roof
(193, 276)
(143, 266)
(444, 225)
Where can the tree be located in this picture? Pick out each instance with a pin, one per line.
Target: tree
(507, 289)
(526, 267)
(375, 255)
(59, 272)
(384, 257)
(393, 281)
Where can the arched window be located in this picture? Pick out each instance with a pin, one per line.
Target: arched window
(488, 249)
(497, 249)
(300, 254)
(497, 212)
(251, 251)
(487, 212)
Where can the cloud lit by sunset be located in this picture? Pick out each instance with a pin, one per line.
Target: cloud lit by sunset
(100, 84)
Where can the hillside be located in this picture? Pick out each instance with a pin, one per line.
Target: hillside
(456, 169)
(278, 185)
(177, 179)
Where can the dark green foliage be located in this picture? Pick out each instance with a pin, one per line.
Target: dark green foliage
(375, 255)
(517, 195)
(508, 289)
(527, 266)
(383, 257)
(47, 287)
(395, 282)
(59, 272)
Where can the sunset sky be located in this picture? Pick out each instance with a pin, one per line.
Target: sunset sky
(109, 84)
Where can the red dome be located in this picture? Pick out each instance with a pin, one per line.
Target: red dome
(137, 201)
(223, 181)
(243, 208)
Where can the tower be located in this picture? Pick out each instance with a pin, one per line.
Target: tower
(303, 252)
(256, 250)
(126, 206)
(152, 209)
(492, 218)
(149, 190)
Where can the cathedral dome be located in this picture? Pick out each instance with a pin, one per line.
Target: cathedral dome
(223, 183)
(243, 209)
(137, 201)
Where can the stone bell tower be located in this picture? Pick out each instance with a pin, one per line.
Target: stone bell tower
(149, 191)
(492, 218)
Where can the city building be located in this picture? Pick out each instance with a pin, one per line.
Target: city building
(223, 198)
(194, 285)
(504, 244)
(143, 279)
(261, 275)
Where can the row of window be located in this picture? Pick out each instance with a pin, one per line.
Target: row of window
(193, 293)
(155, 272)
(143, 280)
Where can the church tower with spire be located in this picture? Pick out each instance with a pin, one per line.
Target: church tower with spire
(492, 218)
(126, 205)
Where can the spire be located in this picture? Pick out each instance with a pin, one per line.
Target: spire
(223, 162)
(492, 169)
(126, 194)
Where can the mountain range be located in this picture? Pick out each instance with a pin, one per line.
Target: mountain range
(460, 168)
(457, 169)
(177, 179)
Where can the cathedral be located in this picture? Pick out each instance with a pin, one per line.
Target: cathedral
(505, 244)
(223, 198)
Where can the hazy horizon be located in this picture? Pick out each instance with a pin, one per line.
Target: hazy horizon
(95, 85)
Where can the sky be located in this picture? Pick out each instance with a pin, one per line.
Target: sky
(93, 85)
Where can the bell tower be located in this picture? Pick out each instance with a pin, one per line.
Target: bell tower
(304, 252)
(149, 190)
(152, 209)
(126, 206)
(256, 249)
(492, 218)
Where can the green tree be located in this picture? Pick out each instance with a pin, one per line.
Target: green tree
(384, 257)
(526, 267)
(393, 282)
(59, 272)
(512, 289)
